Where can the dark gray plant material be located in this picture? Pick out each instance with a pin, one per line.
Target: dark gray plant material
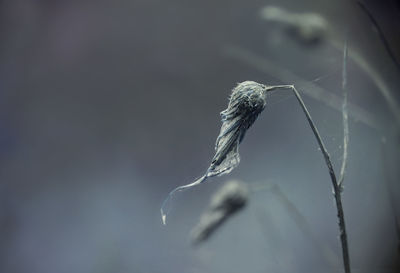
(227, 201)
(306, 27)
(338, 190)
(247, 101)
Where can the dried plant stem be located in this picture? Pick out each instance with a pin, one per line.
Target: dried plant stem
(345, 115)
(335, 185)
(380, 33)
(380, 83)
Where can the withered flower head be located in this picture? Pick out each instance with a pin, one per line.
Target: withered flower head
(228, 200)
(246, 102)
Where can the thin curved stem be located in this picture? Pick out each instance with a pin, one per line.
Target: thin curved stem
(380, 33)
(345, 115)
(335, 185)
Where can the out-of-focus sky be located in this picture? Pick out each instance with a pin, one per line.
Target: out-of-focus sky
(106, 106)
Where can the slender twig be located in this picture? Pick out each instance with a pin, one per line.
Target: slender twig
(380, 33)
(335, 185)
(381, 84)
(345, 115)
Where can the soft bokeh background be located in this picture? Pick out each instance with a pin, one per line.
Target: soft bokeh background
(105, 106)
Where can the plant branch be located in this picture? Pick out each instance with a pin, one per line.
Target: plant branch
(345, 115)
(335, 185)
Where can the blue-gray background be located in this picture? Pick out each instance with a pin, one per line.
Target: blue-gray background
(105, 106)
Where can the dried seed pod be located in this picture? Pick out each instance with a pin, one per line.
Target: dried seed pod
(228, 200)
(306, 27)
(246, 102)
